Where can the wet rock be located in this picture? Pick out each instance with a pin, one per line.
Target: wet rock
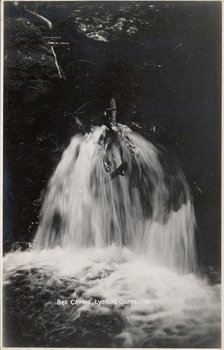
(32, 86)
(23, 245)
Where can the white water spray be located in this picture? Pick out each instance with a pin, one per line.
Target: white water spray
(148, 210)
(115, 245)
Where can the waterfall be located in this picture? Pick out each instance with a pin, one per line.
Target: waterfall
(148, 209)
(114, 251)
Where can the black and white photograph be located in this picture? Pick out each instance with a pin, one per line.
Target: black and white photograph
(111, 115)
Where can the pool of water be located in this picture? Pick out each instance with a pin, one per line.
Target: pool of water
(107, 297)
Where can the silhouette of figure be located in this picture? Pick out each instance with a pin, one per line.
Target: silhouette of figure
(112, 139)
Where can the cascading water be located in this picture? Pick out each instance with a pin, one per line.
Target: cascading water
(114, 255)
(149, 210)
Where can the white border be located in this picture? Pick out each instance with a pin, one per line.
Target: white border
(1, 167)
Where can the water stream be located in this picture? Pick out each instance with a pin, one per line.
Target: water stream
(113, 261)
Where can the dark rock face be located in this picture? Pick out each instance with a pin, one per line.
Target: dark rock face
(161, 61)
(31, 87)
(30, 71)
